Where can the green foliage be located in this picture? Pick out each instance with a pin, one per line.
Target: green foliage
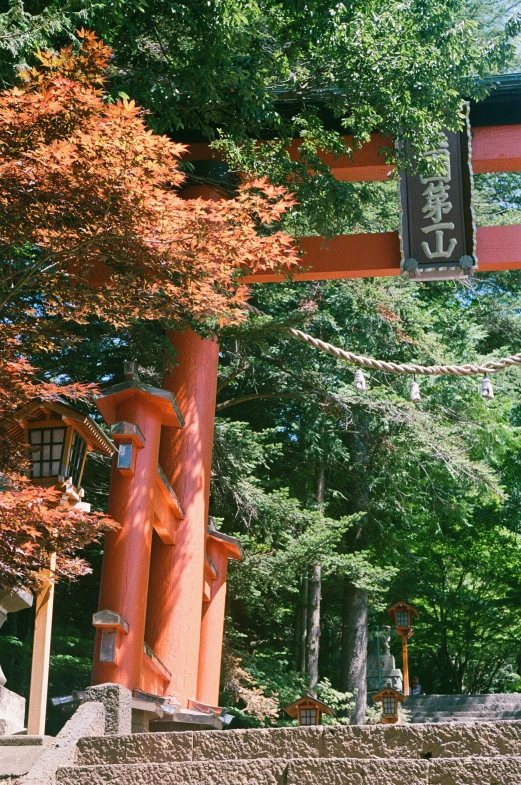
(340, 702)
(238, 71)
(427, 487)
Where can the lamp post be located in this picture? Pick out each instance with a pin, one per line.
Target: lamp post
(58, 439)
(379, 665)
(402, 614)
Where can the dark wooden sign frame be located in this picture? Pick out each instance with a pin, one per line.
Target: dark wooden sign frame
(438, 230)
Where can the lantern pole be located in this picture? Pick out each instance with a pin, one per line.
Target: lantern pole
(378, 657)
(405, 665)
(41, 652)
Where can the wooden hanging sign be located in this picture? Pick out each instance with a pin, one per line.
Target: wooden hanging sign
(438, 232)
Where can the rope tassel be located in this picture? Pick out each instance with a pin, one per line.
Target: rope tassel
(360, 382)
(487, 390)
(415, 392)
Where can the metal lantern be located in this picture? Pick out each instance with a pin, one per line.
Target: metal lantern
(308, 710)
(415, 392)
(390, 700)
(113, 626)
(360, 382)
(487, 390)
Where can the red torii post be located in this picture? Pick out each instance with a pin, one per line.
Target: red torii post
(185, 607)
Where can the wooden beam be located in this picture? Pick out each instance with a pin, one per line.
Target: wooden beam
(375, 255)
(499, 248)
(367, 165)
(495, 148)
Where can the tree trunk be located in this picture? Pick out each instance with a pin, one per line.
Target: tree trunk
(297, 633)
(314, 596)
(315, 586)
(303, 626)
(354, 649)
(353, 666)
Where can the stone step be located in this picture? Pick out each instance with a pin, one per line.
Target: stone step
(324, 742)
(427, 700)
(492, 713)
(461, 720)
(18, 754)
(512, 706)
(340, 771)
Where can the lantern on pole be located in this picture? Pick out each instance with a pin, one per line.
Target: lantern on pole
(308, 710)
(58, 438)
(402, 614)
(390, 700)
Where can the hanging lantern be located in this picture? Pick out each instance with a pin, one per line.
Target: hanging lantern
(360, 382)
(486, 388)
(415, 392)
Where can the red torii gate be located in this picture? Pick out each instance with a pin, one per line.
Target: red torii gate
(164, 573)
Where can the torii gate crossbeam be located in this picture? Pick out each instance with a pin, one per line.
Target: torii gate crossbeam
(494, 149)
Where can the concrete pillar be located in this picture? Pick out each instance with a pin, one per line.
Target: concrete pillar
(118, 707)
(126, 560)
(175, 598)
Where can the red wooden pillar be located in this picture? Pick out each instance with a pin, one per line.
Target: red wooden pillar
(176, 591)
(175, 598)
(220, 548)
(126, 559)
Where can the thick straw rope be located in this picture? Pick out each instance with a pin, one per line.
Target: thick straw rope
(380, 365)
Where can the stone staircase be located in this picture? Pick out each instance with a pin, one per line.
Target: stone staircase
(463, 708)
(481, 753)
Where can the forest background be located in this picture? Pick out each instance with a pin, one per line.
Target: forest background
(344, 501)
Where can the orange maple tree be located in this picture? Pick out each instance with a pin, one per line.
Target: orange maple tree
(92, 223)
(92, 197)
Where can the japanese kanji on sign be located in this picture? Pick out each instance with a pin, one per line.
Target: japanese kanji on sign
(438, 228)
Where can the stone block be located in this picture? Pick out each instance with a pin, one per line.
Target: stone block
(14, 600)
(87, 720)
(258, 772)
(118, 706)
(476, 771)
(137, 748)
(419, 741)
(17, 761)
(356, 772)
(12, 712)
(258, 743)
